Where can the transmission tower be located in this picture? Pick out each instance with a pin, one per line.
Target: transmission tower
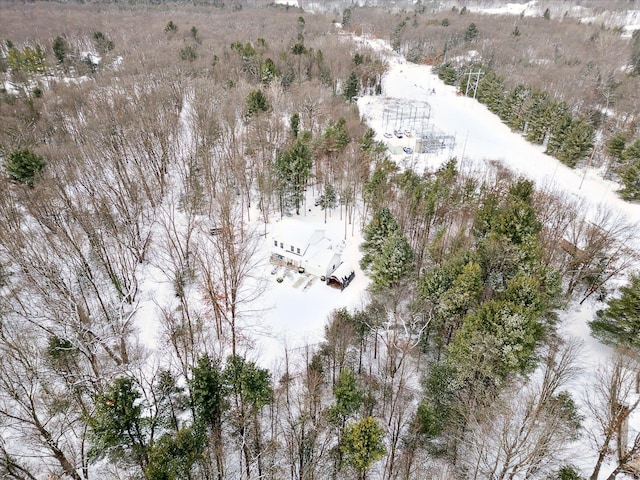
(475, 86)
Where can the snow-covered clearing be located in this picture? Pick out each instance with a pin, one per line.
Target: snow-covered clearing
(292, 314)
(482, 139)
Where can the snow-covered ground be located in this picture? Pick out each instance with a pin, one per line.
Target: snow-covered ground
(482, 138)
(293, 313)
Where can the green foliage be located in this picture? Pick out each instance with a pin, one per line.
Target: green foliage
(619, 323)
(635, 52)
(438, 409)
(59, 49)
(208, 393)
(335, 136)
(298, 49)
(513, 107)
(568, 472)
(362, 444)
(268, 71)
(396, 36)
(393, 263)
(346, 17)
(615, 146)
(446, 293)
(471, 33)
(512, 217)
(447, 73)
(294, 124)
(250, 382)
(539, 117)
(188, 53)
(256, 103)
(629, 167)
(173, 457)
(630, 176)
(102, 43)
(547, 14)
(491, 91)
(24, 166)
(497, 339)
(293, 167)
(300, 28)
(329, 197)
(117, 427)
(351, 89)
(631, 151)
(576, 143)
(245, 51)
(565, 406)
(28, 60)
(429, 423)
(349, 397)
(171, 27)
(375, 234)
(368, 143)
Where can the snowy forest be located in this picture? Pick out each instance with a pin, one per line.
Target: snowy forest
(146, 151)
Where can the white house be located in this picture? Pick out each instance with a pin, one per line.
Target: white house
(300, 245)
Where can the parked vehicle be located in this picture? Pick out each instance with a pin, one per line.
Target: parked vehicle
(407, 150)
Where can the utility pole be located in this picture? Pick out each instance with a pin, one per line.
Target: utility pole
(475, 87)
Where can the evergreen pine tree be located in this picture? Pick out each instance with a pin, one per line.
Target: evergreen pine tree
(24, 166)
(513, 107)
(491, 91)
(362, 445)
(293, 167)
(59, 49)
(393, 263)
(447, 73)
(346, 17)
(631, 152)
(381, 226)
(471, 33)
(559, 130)
(117, 427)
(294, 124)
(616, 146)
(349, 397)
(577, 143)
(256, 103)
(630, 176)
(538, 117)
(351, 89)
(619, 323)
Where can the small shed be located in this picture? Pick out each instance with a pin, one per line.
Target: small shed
(341, 277)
